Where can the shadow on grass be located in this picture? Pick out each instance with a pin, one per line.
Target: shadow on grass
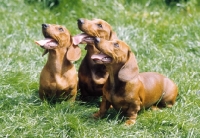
(85, 110)
(34, 98)
(45, 3)
(91, 101)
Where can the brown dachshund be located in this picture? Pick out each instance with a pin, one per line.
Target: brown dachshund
(58, 79)
(92, 76)
(126, 89)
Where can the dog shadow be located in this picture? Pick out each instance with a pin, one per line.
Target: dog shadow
(34, 99)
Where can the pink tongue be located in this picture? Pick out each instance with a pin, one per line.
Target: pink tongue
(98, 56)
(79, 38)
(43, 42)
(47, 43)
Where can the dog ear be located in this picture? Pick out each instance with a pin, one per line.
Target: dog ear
(113, 35)
(129, 70)
(73, 53)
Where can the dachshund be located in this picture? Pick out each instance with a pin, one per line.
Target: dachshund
(58, 79)
(92, 76)
(126, 89)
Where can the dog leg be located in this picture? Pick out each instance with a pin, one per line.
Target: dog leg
(41, 94)
(132, 114)
(103, 108)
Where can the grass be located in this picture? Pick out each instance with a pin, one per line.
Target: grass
(165, 39)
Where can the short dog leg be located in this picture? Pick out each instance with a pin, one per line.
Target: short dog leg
(132, 114)
(103, 108)
(41, 94)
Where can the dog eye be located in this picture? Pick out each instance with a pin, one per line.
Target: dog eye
(99, 25)
(60, 29)
(116, 45)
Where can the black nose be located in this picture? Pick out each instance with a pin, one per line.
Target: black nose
(96, 40)
(80, 21)
(45, 26)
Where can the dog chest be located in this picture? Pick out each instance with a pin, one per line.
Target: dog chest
(119, 101)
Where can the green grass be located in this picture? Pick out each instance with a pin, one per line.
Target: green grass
(165, 39)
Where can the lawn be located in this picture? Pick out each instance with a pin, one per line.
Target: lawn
(164, 38)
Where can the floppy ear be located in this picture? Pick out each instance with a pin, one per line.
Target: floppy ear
(113, 35)
(129, 70)
(73, 53)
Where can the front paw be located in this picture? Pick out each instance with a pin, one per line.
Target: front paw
(96, 115)
(129, 122)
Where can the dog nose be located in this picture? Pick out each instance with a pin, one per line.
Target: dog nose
(45, 26)
(97, 40)
(80, 21)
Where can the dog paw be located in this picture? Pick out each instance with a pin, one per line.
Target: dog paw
(154, 108)
(129, 122)
(96, 115)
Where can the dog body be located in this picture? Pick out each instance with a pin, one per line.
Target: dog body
(58, 79)
(126, 89)
(92, 76)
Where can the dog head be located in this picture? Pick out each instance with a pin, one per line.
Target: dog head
(57, 36)
(116, 53)
(93, 28)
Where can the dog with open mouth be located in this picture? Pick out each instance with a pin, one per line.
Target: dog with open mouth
(126, 89)
(58, 79)
(92, 76)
